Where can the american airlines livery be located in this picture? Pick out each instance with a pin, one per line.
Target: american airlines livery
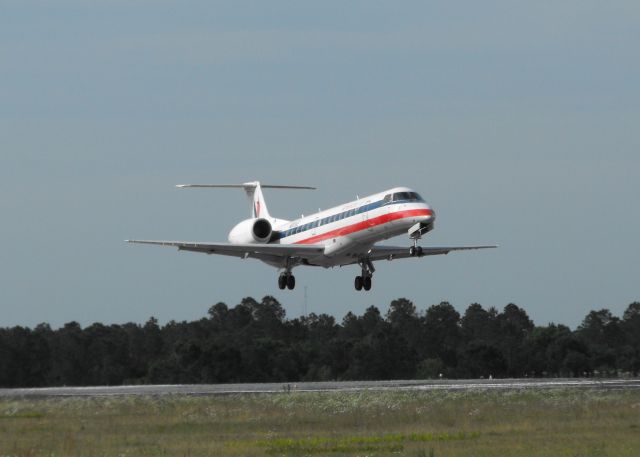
(343, 235)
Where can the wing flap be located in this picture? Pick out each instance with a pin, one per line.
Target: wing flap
(241, 250)
(402, 252)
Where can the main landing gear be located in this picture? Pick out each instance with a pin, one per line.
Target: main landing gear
(415, 250)
(286, 281)
(364, 281)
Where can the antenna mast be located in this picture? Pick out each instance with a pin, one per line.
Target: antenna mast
(305, 302)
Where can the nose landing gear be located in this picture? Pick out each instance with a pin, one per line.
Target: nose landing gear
(415, 234)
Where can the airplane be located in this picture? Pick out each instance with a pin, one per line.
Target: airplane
(343, 235)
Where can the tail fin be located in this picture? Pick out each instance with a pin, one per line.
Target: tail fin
(259, 206)
(254, 192)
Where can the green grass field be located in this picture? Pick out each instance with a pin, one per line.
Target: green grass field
(558, 422)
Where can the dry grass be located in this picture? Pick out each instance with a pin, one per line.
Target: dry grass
(563, 422)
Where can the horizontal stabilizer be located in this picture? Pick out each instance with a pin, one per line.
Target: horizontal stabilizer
(245, 186)
(254, 192)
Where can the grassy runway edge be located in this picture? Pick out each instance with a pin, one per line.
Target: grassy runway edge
(534, 422)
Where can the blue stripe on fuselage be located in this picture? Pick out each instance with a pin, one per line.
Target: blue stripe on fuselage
(335, 217)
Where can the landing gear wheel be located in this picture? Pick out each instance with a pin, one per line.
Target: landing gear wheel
(412, 251)
(358, 283)
(291, 282)
(282, 282)
(419, 249)
(367, 283)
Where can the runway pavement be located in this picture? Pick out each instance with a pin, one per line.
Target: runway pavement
(339, 386)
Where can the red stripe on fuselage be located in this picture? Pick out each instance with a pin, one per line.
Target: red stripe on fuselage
(366, 224)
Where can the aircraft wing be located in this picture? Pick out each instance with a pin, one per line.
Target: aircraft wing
(260, 251)
(401, 252)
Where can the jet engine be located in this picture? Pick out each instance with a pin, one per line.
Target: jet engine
(258, 230)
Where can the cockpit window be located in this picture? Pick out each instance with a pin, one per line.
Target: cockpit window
(407, 197)
(400, 196)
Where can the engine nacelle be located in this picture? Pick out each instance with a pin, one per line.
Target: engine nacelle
(249, 231)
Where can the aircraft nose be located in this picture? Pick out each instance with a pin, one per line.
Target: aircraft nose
(430, 215)
(427, 219)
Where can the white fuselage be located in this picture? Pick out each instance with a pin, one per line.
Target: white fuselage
(348, 231)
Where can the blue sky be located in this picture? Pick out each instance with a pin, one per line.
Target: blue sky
(517, 121)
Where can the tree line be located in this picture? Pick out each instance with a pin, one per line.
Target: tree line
(255, 342)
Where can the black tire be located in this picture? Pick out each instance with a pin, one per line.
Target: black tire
(412, 251)
(282, 282)
(419, 251)
(291, 282)
(367, 283)
(358, 283)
